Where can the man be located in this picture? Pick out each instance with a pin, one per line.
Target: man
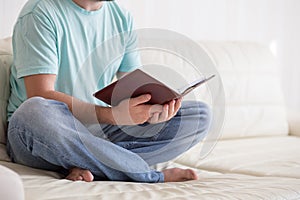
(55, 123)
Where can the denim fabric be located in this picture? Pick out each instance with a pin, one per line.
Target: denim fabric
(44, 134)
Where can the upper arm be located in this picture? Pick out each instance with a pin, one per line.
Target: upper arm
(39, 85)
(35, 54)
(35, 46)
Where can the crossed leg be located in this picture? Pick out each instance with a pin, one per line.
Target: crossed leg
(160, 142)
(58, 140)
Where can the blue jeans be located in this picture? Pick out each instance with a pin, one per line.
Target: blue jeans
(44, 134)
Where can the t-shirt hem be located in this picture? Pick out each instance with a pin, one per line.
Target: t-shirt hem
(34, 70)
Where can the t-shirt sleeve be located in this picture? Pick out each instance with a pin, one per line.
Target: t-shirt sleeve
(34, 44)
(131, 59)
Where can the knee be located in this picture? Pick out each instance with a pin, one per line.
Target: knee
(37, 118)
(33, 105)
(26, 118)
(199, 116)
(29, 111)
(37, 114)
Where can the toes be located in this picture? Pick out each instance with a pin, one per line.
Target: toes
(78, 174)
(87, 176)
(185, 174)
(79, 178)
(191, 174)
(177, 174)
(74, 177)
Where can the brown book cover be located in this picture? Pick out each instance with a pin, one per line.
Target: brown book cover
(138, 83)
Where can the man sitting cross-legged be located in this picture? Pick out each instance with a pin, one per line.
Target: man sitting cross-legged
(54, 128)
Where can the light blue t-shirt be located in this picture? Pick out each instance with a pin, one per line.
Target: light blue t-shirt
(83, 48)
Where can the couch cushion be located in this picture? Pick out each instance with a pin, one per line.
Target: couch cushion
(5, 63)
(253, 95)
(10, 184)
(254, 98)
(3, 154)
(41, 184)
(268, 156)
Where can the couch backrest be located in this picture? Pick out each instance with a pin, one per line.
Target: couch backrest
(254, 99)
(5, 63)
(253, 95)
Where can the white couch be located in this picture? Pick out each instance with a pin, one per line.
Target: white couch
(256, 158)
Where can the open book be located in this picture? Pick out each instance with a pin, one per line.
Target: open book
(138, 83)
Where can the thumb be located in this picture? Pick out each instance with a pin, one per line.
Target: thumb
(140, 99)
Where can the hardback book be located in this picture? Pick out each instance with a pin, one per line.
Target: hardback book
(137, 83)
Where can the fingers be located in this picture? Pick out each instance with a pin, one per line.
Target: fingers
(165, 114)
(168, 111)
(155, 109)
(154, 118)
(141, 112)
(177, 105)
(140, 100)
(171, 107)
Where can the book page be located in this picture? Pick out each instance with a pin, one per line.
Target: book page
(185, 90)
(170, 78)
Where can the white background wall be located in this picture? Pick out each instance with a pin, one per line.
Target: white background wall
(272, 22)
(275, 22)
(9, 10)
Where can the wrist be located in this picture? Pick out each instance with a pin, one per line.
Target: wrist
(104, 115)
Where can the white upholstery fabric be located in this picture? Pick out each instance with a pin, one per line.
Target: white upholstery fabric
(11, 186)
(5, 63)
(211, 185)
(6, 46)
(254, 99)
(265, 166)
(3, 154)
(260, 156)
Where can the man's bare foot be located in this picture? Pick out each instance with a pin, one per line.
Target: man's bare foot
(77, 174)
(178, 175)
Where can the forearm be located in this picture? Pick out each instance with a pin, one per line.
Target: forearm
(84, 112)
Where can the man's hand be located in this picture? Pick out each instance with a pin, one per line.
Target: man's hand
(135, 111)
(169, 111)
